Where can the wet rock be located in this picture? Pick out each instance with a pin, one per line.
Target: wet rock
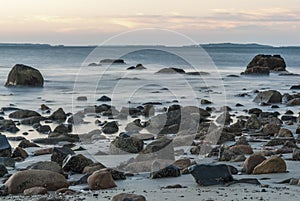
(61, 129)
(293, 102)
(19, 153)
(140, 67)
(296, 154)
(288, 118)
(112, 61)
(101, 180)
(205, 102)
(35, 191)
(22, 75)
(8, 125)
(76, 163)
(32, 120)
(253, 122)
(274, 63)
(295, 87)
(81, 98)
(46, 165)
(283, 132)
(251, 162)
(104, 99)
(171, 71)
(278, 141)
(126, 145)
(5, 148)
(93, 168)
(26, 179)
(26, 143)
(110, 127)
(59, 154)
(58, 115)
(270, 96)
(54, 139)
(76, 119)
(229, 155)
(45, 129)
(126, 196)
(244, 149)
(143, 136)
(182, 163)
(3, 170)
(169, 171)
(21, 114)
(44, 107)
(271, 129)
(7, 161)
(207, 175)
(274, 164)
(134, 126)
(117, 175)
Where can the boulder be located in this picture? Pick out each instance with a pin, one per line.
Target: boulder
(126, 145)
(274, 164)
(46, 165)
(5, 148)
(296, 154)
(7, 161)
(19, 153)
(284, 132)
(81, 98)
(21, 114)
(22, 75)
(58, 115)
(273, 63)
(257, 71)
(101, 180)
(271, 129)
(104, 99)
(61, 129)
(8, 125)
(243, 149)
(26, 143)
(270, 96)
(32, 120)
(128, 197)
(23, 180)
(59, 154)
(251, 162)
(169, 171)
(110, 127)
(112, 61)
(45, 129)
(293, 102)
(140, 67)
(93, 168)
(3, 170)
(171, 71)
(253, 122)
(76, 163)
(35, 191)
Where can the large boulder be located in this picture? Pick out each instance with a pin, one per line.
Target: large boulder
(171, 71)
(270, 96)
(76, 163)
(126, 145)
(257, 71)
(101, 179)
(22, 75)
(274, 164)
(251, 162)
(274, 63)
(5, 148)
(59, 154)
(21, 114)
(23, 180)
(58, 115)
(46, 165)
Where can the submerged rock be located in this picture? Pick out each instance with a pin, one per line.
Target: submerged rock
(22, 75)
(171, 71)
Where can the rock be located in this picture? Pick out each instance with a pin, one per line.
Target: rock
(94, 64)
(283, 132)
(126, 145)
(46, 165)
(59, 154)
(274, 63)
(19, 153)
(244, 149)
(182, 163)
(112, 61)
(278, 141)
(171, 71)
(271, 129)
(61, 129)
(251, 162)
(270, 96)
(26, 179)
(76, 163)
(296, 154)
(3, 170)
(21, 114)
(5, 148)
(81, 98)
(104, 99)
(134, 126)
(140, 67)
(295, 87)
(35, 191)
(274, 164)
(54, 139)
(101, 180)
(117, 175)
(143, 136)
(8, 125)
(45, 129)
(257, 71)
(293, 102)
(7, 161)
(169, 171)
(76, 119)
(131, 68)
(253, 122)
(32, 120)
(44, 107)
(26, 143)
(93, 168)
(205, 102)
(224, 118)
(207, 175)
(58, 115)
(22, 75)
(128, 197)
(110, 127)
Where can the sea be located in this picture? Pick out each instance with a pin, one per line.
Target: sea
(68, 75)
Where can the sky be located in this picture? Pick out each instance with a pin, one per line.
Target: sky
(166, 22)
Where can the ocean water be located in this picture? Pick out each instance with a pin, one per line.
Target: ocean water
(67, 76)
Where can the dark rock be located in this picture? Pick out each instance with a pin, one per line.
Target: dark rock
(22, 75)
(94, 64)
(131, 68)
(171, 71)
(274, 63)
(56, 139)
(112, 61)
(270, 96)
(81, 98)
(257, 71)
(253, 122)
(44, 107)
(104, 99)
(295, 87)
(76, 118)
(7, 161)
(293, 102)
(76, 163)
(58, 115)
(21, 114)
(205, 102)
(140, 67)
(5, 148)
(8, 125)
(207, 175)
(61, 129)
(101, 179)
(110, 127)
(19, 153)
(278, 141)
(285, 133)
(45, 129)
(3, 170)
(126, 145)
(271, 129)
(296, 154)
(224, 118)
(169, 171)
(59, 154)
(32, 120)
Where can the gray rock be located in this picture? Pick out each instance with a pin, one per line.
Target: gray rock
(58, 115)
(270, 96)
(110, 127)
(126, 145)
(21, 114)
(5, 148)
(22, 75)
